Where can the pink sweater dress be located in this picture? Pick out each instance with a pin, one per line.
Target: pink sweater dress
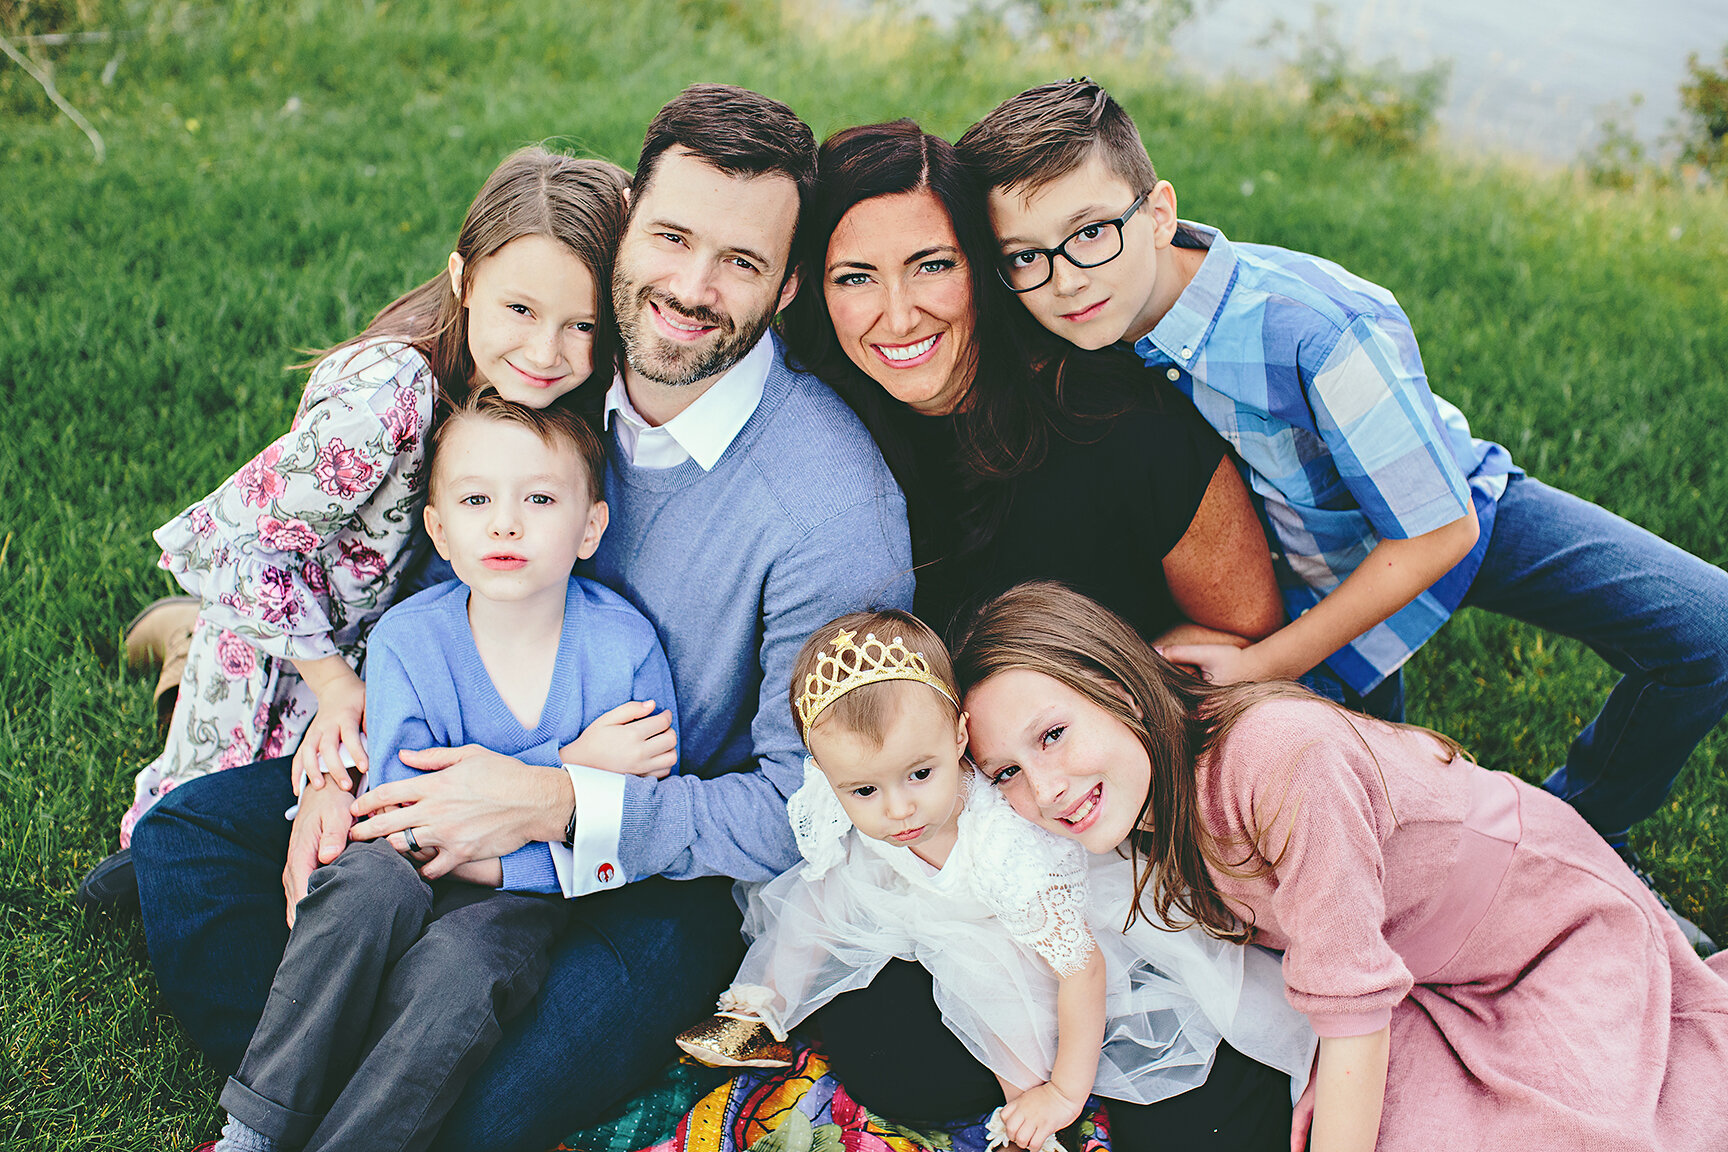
(1539, 996)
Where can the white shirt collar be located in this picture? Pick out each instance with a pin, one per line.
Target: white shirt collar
(703, 431)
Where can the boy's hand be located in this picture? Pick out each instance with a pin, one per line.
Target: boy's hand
(632, 740)
(1038, 1114)
(337, 727)
(1216, 663)
(320, 833)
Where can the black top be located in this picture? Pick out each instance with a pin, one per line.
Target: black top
(1099, 513)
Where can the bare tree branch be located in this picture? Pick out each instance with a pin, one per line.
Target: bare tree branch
(47, 83)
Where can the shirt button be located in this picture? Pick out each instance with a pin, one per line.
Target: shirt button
(1187, 352)
(1174, 374)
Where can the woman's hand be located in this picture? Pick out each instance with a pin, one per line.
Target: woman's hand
(338, 725)
(320, 833)
(1037, 1114)
(632, 740)
(472, 805)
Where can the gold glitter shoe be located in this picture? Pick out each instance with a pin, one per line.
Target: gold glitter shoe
(725, 1042)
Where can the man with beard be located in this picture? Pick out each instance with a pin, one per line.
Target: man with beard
(748, 507)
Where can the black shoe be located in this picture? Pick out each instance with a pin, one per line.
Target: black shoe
(112, 884)
(1695, 936)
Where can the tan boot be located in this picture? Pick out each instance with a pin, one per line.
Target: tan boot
(163, 631)
(148, 636)
(178, 644)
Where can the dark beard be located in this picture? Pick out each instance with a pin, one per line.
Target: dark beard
(653, 356)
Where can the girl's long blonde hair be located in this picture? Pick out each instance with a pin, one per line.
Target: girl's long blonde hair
(1177, 717)
(577, 202)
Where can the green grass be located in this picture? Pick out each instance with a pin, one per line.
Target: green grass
(152, 302)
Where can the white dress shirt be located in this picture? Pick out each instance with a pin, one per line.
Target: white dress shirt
(702, 432)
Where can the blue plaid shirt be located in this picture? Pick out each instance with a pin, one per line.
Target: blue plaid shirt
(1313, 376)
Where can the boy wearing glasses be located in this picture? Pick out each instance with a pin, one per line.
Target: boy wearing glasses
(1384, 514)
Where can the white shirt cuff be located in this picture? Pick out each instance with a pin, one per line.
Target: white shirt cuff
(591, 864)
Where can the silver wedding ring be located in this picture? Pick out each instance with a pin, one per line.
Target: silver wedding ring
(408, 835)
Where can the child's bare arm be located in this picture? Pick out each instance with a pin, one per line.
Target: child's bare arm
(1394, 573)
(631, 739)
(1038, 1113)
(485, 873)
(1350, 1091)
(337, 726)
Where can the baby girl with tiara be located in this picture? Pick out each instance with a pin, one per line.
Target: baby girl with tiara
(909, 853)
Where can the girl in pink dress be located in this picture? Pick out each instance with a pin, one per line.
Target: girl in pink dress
(295, 556)
(1484, 972)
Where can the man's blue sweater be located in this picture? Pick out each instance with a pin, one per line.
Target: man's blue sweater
(798, 522)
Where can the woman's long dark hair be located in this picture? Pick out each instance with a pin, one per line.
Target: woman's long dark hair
(1019, 392)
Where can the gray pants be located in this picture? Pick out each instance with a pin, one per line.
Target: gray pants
(388, 998)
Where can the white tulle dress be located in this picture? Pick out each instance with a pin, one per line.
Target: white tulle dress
(995, 926)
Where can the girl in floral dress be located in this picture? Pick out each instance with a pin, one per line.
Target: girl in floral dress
(296, 555)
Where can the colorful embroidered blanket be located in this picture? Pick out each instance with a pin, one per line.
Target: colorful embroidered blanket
(798, 1109)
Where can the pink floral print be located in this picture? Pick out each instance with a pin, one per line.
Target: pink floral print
(295, 557)
(259, 482)
(293, 535)
(364, 562)
(278, 597)
(235, 657)
(341, 471)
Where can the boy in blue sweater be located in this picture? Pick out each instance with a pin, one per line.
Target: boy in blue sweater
(1384, 514)
(393, 987)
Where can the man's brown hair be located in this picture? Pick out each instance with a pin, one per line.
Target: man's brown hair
(740, 132)
(1048, 131)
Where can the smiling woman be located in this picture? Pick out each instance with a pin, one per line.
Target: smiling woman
(1021, 457)
(898, 290)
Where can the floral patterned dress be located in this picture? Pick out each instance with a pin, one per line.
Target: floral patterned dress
(295, 557)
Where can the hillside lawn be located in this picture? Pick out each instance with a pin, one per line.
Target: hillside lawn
(277, 173)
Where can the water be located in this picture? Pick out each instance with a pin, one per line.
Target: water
(1528, 76)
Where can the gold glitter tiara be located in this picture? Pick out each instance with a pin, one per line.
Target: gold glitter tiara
(846, 665)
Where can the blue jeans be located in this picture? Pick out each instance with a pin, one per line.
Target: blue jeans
(1655, 612)
(640, 963)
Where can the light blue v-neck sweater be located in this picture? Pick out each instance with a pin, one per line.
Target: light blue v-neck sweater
(798, 522)
(426, 688)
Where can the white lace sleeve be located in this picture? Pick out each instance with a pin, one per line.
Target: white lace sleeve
(819, 823)
(1035, 882)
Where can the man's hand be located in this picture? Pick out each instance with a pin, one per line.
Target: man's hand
(472, 805)
(631, 739)
(1038, 1114)
(319, 835)
(337, 726)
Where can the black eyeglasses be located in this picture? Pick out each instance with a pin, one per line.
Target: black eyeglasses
(1088, 247)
